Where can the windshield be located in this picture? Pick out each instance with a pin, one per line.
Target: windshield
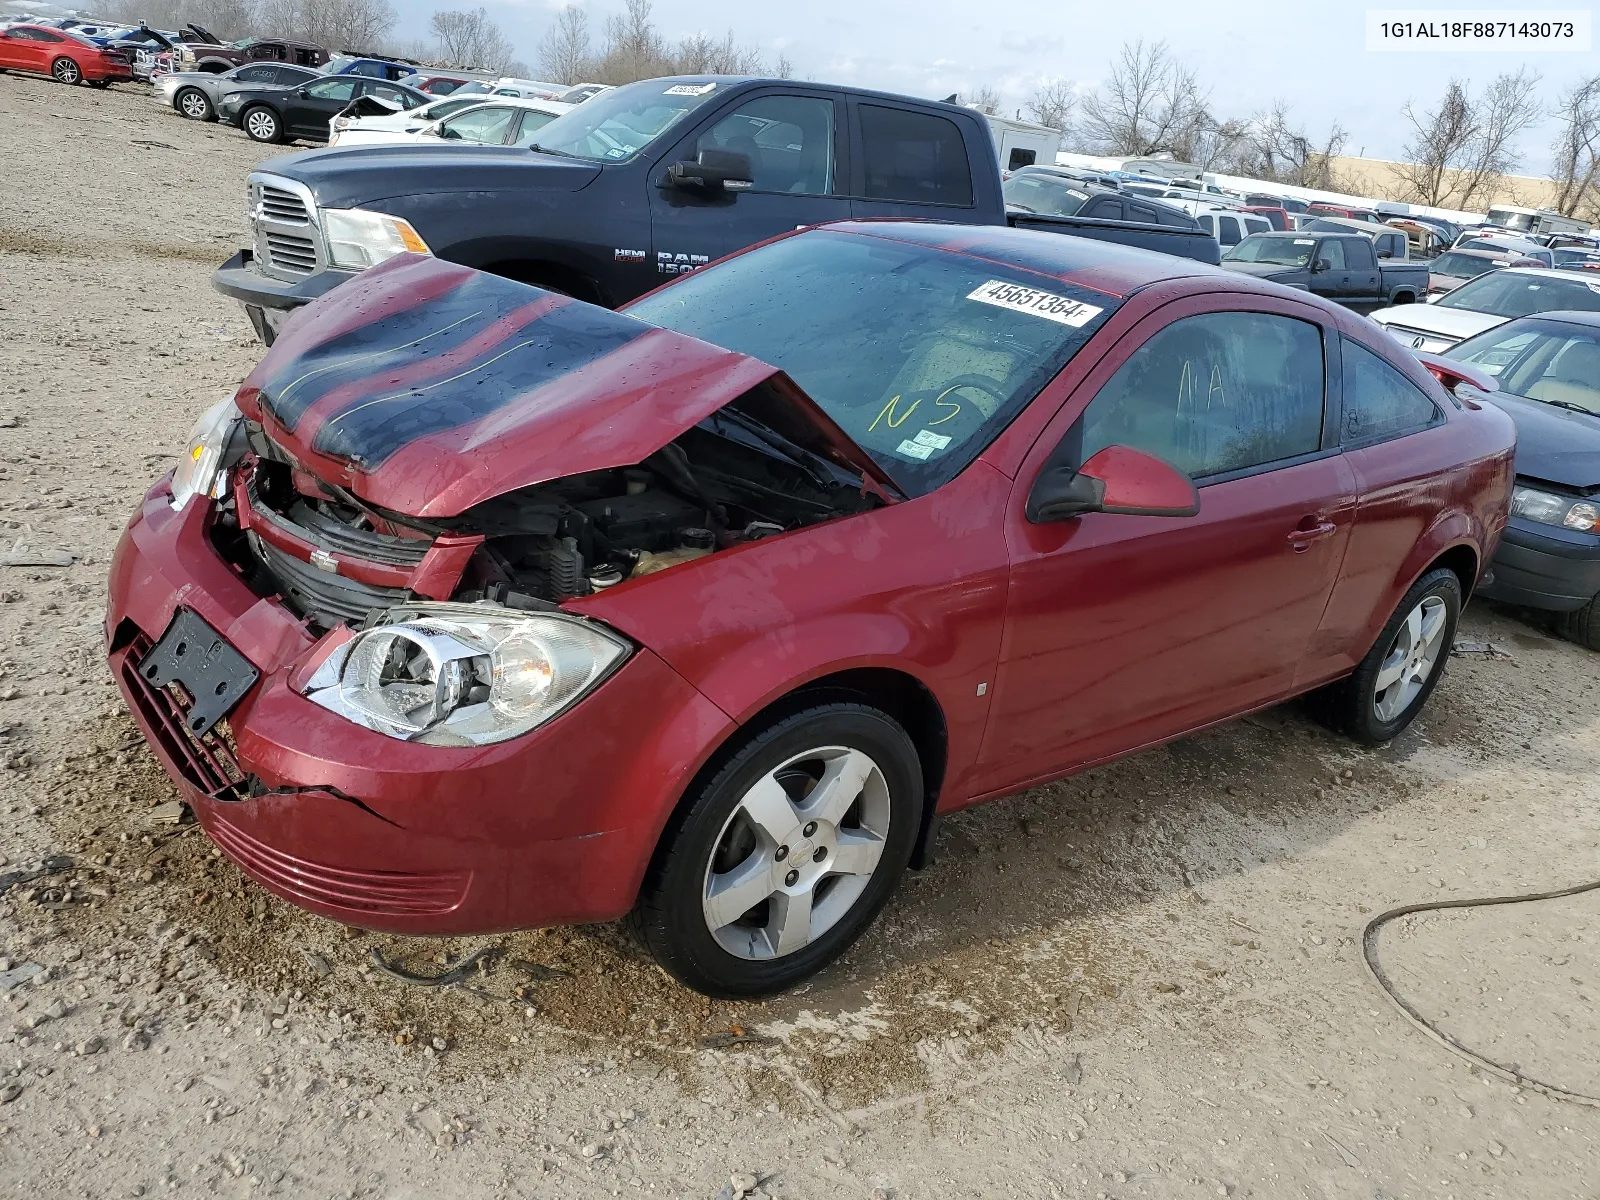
(1520, 294)
(1264, 248)
(920, 355)
(1462, 266)
(1576, 256)
(1507, 219)
(1539, 360)
(616, 125)
(1044, 194)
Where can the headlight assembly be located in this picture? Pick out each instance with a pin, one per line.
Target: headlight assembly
(200, 469)
(358, 239)
(1550, 509)
(465, 674)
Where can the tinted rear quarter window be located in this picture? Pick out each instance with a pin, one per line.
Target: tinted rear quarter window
(1358, 253)
(912, 156)
(1379, 401)
(1216, 393)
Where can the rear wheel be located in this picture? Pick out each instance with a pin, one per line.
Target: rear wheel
(785, 856)
(195, 104)
(1583, 626)
(64, 70)
(1389, 688)
(262, 125)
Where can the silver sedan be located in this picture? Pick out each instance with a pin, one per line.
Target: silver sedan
(196, 94)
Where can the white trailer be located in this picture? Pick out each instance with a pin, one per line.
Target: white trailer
(1021, 144)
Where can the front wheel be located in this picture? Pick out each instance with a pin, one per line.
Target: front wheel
(1389, 688)
(196, 105)
(64, 70)
(784, 857)
(262, 125)
(1583, 626)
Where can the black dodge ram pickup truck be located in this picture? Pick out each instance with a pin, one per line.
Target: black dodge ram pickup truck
(631, 188)
(1343, 267)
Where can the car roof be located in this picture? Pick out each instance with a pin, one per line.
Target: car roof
(537, 103)
(1107, 267)
(1491, 255)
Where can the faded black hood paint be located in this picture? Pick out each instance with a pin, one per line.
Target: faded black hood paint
(1554, 444)
(342, 177)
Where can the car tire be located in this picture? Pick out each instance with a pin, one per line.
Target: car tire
(1388, 689)
(839, 791)
(64, 70)
(99, 83)
(194, 104)
(1583, 626)
(261, 124)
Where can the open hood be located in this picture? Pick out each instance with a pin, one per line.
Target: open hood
(426, 388)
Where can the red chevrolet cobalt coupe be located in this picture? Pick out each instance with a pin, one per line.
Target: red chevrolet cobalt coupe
(479, 607)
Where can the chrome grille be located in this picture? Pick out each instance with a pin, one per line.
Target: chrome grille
(279, 205)
(290, 253)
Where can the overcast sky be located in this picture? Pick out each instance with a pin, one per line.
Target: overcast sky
(1247, 52)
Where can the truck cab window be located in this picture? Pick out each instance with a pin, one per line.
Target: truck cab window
(912, 156)
(788, 139)
(1358, 254)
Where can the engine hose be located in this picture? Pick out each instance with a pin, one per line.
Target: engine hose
(1369, 954)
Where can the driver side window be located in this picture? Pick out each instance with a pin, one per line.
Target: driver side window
(1215, 393)
(788, 139)
(487, 125)
(332, 89)
(1331, 255)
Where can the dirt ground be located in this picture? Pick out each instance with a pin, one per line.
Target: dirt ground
(1146, 981)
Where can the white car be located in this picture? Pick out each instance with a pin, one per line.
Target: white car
(1489, 300)
(488, 120)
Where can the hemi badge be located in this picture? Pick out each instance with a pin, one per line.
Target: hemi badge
(323, 561)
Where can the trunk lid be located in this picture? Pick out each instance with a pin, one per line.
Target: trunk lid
(425, 388)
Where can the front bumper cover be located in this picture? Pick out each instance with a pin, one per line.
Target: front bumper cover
(555, 827)
(1542, 566)
(268, 301)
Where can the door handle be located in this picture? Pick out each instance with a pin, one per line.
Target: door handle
(1302, 539)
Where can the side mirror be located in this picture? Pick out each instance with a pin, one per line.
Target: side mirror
(1385, 254)
(713, 171)
(1319, 266)
(1118, 479)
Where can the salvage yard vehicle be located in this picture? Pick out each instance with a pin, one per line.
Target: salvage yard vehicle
(62, 55)
(635, 186)
(269, 114)
(480, 607)
(1342, 267)
(1503, 244)
(502, 121)
(1455, 267)
(1547, 369)
(1487, 301)
(196, 94)
(217, 59)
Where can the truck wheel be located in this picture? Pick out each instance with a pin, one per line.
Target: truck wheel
(195, 104)
(64, 70)
(1388, 689)
(1583, 626)
(262, 124)
(1404, 298)
(786, 854)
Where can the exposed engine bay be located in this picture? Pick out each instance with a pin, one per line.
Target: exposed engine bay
(729, 480)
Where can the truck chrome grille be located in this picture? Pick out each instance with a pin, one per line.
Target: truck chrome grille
(290, 253)
(280, 205)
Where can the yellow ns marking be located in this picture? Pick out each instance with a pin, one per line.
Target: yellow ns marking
(888, 414)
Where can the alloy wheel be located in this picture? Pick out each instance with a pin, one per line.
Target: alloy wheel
(66, 71)
(796, 853)
(261, 125)
(1409, 663)
(194, 106)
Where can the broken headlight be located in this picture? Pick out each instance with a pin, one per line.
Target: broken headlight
(465, 674)
(359, 238)
(200, 468)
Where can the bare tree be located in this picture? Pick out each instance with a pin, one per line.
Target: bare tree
(634, 48)
(468, 38)
(1052, 103)
(1151, 102)
(986, 100)
(1461, 150)
(704, 55)
(565, 53)
(1575, 168)
(228, 19)
(783, 68)
(1273, 147)
(363, 25)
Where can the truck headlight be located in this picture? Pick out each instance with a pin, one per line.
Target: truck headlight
(358, 239)
(465, 674)
(200, 468)
(1550, 509)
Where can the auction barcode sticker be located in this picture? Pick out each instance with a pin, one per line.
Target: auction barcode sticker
(1456, 29)
(1060, 309)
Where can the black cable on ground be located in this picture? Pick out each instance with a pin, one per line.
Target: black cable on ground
(1369, 954)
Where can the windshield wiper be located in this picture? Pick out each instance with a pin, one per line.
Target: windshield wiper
(538, 149)
(1571, 407)
(807, 460)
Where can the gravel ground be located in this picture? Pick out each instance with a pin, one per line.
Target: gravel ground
(1146, 981)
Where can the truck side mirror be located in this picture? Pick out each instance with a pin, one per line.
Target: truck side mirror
(1319, 266)
(713, 171)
